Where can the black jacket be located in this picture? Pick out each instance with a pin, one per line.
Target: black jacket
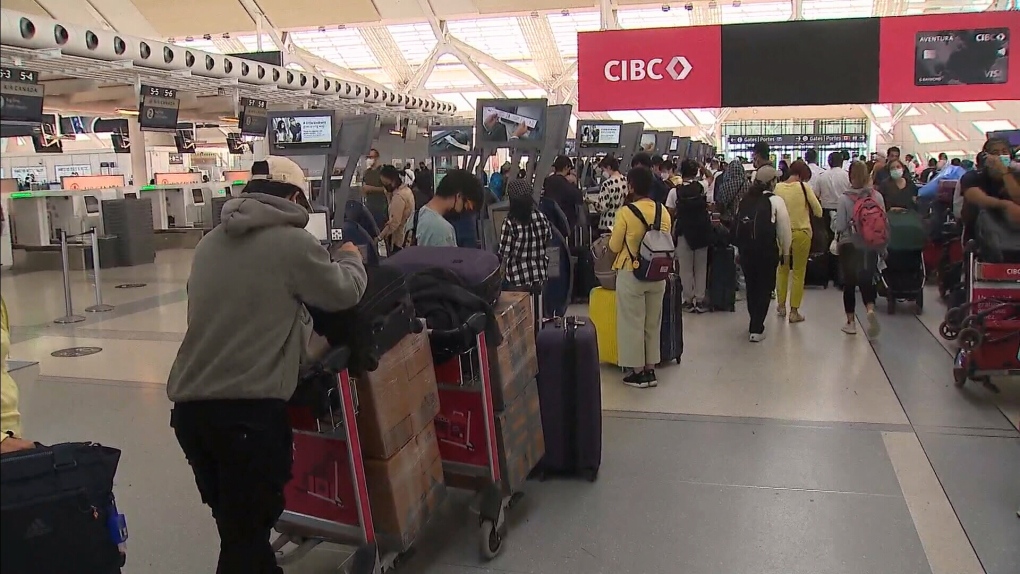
(692, 222)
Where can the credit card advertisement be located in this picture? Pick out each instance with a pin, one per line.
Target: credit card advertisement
(961, 57)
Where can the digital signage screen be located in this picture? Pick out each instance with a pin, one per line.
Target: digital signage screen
(253, 120)
(961, 57)
(450, 140)
(598, 134)
(511, 123)
(300, 132)
(22, 96)
(158, 108)
(648, 142)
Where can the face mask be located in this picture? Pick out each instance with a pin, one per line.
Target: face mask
(369, 162)
(896, 173)
(1005, 160)
(941, 164)
(606, 174)
(664, 175)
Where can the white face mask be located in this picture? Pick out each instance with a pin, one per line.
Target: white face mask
(896, 173)
(369, 162)
(606, 174)
(664, 175)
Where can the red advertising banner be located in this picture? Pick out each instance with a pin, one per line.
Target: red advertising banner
(657, 68)
(949, 58)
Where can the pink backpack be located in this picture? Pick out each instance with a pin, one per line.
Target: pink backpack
(870, 221)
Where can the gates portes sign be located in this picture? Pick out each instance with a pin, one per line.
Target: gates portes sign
(21, 96)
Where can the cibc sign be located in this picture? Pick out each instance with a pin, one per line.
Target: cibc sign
(643, 69)
(678, 68)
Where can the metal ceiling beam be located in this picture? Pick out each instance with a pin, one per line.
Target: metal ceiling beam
(796, 9)
(607, 15)
(387, 53)
(885, 134)
(480, 57)
(475, 69)
(538, 35)
(311, 62)
(121, 15)
(424, 71)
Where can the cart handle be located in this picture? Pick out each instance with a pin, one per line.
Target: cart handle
(336, 360)
(474, 326)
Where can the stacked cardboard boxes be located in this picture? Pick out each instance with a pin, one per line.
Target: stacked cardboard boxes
(513, 366)
(397, 403)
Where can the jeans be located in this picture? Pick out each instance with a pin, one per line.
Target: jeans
(241, 454)
(801, 249)
(638, 319)
(859, 267)
(760, 275)
(834, 270)
(693, 266)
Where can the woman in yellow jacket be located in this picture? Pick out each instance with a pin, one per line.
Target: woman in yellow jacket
(10, 418)
(638, 303)
(801, 204)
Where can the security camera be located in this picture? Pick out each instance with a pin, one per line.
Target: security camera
(665, 7)
(689, 7)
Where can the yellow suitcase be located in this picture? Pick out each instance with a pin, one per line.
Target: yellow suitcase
(602, 310)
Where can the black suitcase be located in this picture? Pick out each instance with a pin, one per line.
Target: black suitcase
(570, 392)
(55, 503)
(819, 270)
(584, 275)
(671, 333)
(383, 317)
(478, 269)
(722, 278)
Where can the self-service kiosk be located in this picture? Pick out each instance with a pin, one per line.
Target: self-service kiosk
(38, 216)
(179, 206)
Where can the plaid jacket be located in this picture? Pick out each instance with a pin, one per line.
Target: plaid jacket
(731, 188)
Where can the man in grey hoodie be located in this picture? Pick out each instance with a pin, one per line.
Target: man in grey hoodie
(251, 278)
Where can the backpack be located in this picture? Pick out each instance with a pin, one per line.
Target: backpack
(870, 221)
(655, 254)
(753, 228)
(692, 222)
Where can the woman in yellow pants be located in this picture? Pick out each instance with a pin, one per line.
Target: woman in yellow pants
(802, 204)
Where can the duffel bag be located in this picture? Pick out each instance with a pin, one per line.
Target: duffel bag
(57, 510)
(478, 270)
(998, 238)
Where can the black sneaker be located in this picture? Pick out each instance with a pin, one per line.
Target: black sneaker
(636, 379)
(687, 307)
(649, 377)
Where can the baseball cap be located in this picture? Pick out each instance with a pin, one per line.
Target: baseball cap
(766, 174)
(281, 169)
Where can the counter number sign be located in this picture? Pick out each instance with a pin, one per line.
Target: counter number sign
(158, 108)
(21, 95)
(253, 117)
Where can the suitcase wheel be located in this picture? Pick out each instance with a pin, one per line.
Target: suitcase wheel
(678, 360)
(591, 474)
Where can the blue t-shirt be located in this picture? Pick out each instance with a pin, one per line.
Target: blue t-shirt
(433, 229)
(496, 184)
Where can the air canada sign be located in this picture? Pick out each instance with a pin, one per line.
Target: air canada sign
(657, 68)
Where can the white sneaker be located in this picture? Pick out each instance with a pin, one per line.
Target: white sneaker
(850, 328)
(756, 337)
(873, 327)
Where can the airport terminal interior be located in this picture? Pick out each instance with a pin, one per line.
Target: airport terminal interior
(812, 452)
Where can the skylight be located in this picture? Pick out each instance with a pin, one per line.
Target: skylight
(251, 42)
(928, 133)
(703, 116)
(415, 41)
(880, 111)
(626, 117)
(994, 126)
(501, 38)
(653, 18)
(566, 27)
(342, 47)
(658, 119)
(966, 107)
(200, 44)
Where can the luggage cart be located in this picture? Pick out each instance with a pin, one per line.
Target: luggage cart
(466, 427)
(987, 326)
(327, 498)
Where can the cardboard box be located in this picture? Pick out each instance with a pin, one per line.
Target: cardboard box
(520, 437)
(405, 490)
(520, 442)
(397, 400)
(514, 362)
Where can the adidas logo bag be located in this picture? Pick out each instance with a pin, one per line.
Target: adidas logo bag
(654, 258)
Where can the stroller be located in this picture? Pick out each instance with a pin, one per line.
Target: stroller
(902, 273)
(987, 324)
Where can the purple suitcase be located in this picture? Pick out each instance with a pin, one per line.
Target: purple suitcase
(570, 391)
(671, 333)
(479, 269)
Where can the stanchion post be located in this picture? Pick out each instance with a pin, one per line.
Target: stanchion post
(99, 307)
(69, 316)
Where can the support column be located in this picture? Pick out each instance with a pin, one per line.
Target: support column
(139, 166)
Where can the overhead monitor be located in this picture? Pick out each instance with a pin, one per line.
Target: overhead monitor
(511, 123)
(598, 134)
(158, 108)
(301, 132)
(318, 226)
(185, 141)
(130, 195)
(74, 125)
(196, 196)
(683, 148)
(450, 140)
(121, 143)
(674, 144)
(648, 141)
(91, 205)
(570, 147)
(236, 145)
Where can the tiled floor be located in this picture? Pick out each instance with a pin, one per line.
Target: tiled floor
(811, 453)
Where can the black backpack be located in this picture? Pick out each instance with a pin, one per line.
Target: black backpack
(753, 228)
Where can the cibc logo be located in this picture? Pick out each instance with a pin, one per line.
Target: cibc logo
(678, 68)
(1000, 37)
(1015, 271)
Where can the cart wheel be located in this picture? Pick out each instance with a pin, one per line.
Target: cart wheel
(947, 332)
(514, 500)
(954, 316)
(491, 540)
(970, 339)
(890, 304)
